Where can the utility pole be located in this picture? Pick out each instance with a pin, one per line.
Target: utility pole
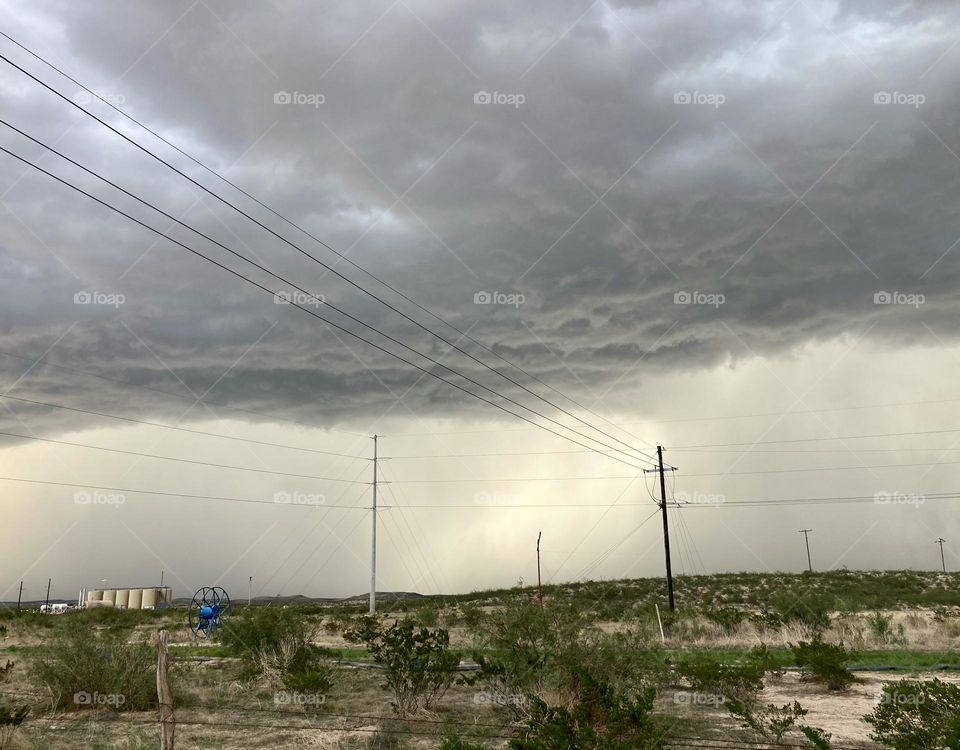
(539, 590)
(806, 538)
(373, 536)
(47, 607)
(943, 561)
(161, 579)
(666, 528)
(249, 590)
(19, 596)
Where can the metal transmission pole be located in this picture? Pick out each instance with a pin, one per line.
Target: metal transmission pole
(47, 605)
(373, 536)
(943, 561)
(19, 596)
(806, 538)
(666, 528)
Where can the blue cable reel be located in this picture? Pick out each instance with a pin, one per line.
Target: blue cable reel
(208, 609)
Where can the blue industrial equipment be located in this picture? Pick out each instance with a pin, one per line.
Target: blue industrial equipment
(208, 610)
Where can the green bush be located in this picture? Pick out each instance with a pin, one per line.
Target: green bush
(728, 618)
(526, 645)
(420, 666)
(917, 715)
(276, 642)
(774, 722)
(81, 669)
(602, 718)
(707, 673)
(824, 662)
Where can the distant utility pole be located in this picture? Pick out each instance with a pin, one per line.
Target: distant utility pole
(806, 538)
(666, 529)
(943, 561)
(249, 590)
(19, 596)
(47, 607)
(539, 590)
(161, 579)
(373, 536)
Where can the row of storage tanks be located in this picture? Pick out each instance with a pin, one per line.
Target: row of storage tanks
(148, 598)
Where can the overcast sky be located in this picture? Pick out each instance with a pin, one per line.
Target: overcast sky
(689, 223)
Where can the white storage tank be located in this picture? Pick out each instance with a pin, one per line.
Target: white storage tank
(121, 599)
(110, 595)
(135, 599)
(95, 595)
(149, 600)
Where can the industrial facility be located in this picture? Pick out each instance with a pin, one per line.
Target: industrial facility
(151, 597)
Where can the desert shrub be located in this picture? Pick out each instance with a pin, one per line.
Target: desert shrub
(276, 643)
(775, 722)
(881, 626)
(527, 644)
(917, 715)
(601, 718)
(728, 618)
(824, 662)
(803, 608)
(420, 667)
(707, 673)
(426, 615)
(80, 668)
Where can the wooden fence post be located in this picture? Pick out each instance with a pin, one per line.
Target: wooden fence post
(164, 695)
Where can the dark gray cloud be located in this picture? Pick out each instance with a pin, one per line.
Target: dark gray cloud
(776, 165)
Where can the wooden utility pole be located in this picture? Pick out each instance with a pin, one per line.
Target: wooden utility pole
(20, 596)
(806, 538)
(164, 694)
(943, 560)
(539, 590)
(666, 529)
(46, 607)
(373, 536)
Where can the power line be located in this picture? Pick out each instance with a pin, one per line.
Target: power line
(179, 429)
(320, 317)
(818, 439)
(329, 268)
(706, 474)
(174, 494)
(172, 458)
(342, 256)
